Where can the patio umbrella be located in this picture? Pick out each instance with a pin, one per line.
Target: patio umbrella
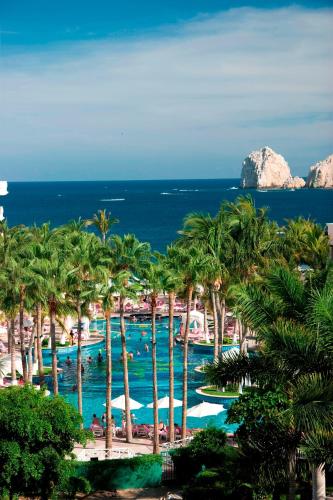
(204, 410)
(5, 365)
(165, 402)
(120, 403)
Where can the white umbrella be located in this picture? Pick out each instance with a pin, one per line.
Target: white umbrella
(5, 365)
(165, 403)
(204, 410)
(120, 403)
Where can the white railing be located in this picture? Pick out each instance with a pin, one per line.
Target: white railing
(179, 443)
(86, 454)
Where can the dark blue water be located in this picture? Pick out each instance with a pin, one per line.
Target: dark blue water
(153, 210)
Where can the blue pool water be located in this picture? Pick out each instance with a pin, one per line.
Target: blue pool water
(140, 376)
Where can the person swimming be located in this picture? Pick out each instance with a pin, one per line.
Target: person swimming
(89, 359)
(146, 347)
(99, 357)
(68, 361)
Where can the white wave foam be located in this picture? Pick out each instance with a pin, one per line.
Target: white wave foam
(233, 187)
(189, 190)
(167, 194)
(113, 199)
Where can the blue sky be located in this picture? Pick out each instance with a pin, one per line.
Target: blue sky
(162, 89)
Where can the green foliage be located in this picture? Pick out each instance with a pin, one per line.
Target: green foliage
(37, 433)
(256, 405)
(138, 472)
(206, 449)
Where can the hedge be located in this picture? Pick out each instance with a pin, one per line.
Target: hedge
(138, 472)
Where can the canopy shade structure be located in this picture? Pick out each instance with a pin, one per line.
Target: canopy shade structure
(205, 410)
(120, 403)
(165, 403)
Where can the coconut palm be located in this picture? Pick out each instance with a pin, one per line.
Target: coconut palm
(304, 242)
(153, 280)
(51, 270)
(129, 257)
(171, 283)
(103, 222)
(107, 293)
(84, 268)
(189, 261)
(294, 322)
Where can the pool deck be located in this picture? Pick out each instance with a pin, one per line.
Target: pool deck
(139, 446)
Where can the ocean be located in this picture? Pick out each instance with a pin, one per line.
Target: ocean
(153, 210)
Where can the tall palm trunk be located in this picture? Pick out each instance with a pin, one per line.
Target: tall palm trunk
(216, 326)
(9, 338)
(79, 360)
(171, 370)
(30, 361)
(318, 482)
(292, 476)
(222, 319)
(12, 351)
(156, 438)
(125, 373)
(39, 344)
(21, 332)
(185, 360)
(52, 311)
(108, 349)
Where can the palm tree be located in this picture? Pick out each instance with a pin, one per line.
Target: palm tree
(107, 293)
(285, 311)
(103, 221)
(171, 283)
(153, 276)
(51, 269)
(190, 262)
(304, 242)
(84, 267)
(129, 257)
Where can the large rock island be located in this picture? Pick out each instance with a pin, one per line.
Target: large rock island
(321, 174)
(265, 168)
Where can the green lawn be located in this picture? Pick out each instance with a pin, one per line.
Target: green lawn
(212, 391)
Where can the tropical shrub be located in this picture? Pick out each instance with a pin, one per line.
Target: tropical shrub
(37, 434)
(138, 472)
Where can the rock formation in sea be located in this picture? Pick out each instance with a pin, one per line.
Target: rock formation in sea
(321, 174)
(267, 169)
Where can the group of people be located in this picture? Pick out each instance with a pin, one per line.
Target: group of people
(99, 358)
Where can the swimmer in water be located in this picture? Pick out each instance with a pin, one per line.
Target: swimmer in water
(68, 361)
(89, 359)
(99, 357)
(138, 353)
(146, 347)
(82, 369)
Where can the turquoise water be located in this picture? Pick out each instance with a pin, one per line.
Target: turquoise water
(140, 376)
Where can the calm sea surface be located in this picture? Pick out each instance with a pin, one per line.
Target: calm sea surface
(153, 210)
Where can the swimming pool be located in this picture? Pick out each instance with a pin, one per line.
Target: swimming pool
(140, 375)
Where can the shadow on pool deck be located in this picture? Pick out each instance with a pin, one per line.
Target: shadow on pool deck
(140, 446)
(143, 493)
